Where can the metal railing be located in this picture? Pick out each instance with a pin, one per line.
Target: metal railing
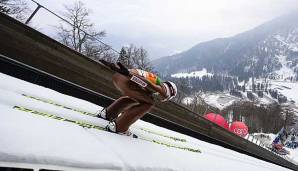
(39, 6)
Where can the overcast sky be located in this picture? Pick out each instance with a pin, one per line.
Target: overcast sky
(165, 27)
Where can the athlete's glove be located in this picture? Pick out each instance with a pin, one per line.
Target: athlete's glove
(116, 67)
(123, 70)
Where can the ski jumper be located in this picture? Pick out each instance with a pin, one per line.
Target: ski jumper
(153, 78)
(135, 101)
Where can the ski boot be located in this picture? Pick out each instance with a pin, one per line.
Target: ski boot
(102, 114)
(111, 127)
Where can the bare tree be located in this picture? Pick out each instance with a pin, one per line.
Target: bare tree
(140, 59)
(81, 35)
(98, 51)
(14, 8)
(134, 57)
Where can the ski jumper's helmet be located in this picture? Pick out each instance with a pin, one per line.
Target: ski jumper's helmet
(171, 89)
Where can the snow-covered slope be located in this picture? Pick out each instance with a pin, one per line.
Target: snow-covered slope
(283, 87)
(36, 137)
(271, 48)
(287, 88)
(196, 74)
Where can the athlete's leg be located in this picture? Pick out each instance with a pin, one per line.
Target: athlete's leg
(118, 106)
(131, 115)
(135, 111)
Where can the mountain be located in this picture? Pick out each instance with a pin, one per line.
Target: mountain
(270, 49)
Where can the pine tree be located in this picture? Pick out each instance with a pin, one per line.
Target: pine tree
(123, 57)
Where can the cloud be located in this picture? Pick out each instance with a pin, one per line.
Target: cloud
(161, 26)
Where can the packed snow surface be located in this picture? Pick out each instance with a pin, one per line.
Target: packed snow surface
(30, 138)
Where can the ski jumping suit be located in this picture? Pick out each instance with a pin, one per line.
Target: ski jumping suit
(134, 103)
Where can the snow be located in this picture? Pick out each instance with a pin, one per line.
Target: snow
(265, 100)
(27, 138)
(286, 44)
(242, 83)
(31, 139)
(284, 87)
(289, 89)
(197, 74)
(281, 39)
(293, 47)
(267, 139)
(219, 100)
(222, 100)
(188, 100)
(284, 72)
